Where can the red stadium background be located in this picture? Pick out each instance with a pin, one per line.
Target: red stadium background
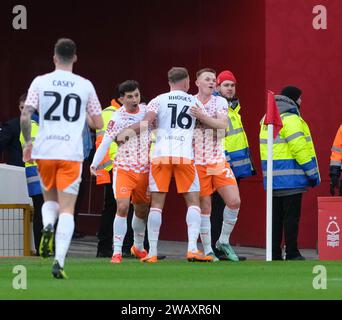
(267, 44)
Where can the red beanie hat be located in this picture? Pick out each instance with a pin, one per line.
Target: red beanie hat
(225, 75)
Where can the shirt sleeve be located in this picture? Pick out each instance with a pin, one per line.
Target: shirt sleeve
(93, 105)
(153, 106)
(113, 127)
(33, 94)
(222, 107)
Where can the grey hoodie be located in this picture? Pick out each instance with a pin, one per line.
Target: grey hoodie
(286, 104)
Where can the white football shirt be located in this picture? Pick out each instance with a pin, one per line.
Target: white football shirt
(134, 153)
(62, 99)
(175, 125)
(208, 142)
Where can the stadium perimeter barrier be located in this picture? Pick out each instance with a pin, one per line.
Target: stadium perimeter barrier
(16, 213)
(329, 228)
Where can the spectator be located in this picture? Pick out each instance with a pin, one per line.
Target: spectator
(295, 168)
(9, 140)
(336, 163)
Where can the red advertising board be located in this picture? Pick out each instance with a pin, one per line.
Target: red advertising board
(329, 228)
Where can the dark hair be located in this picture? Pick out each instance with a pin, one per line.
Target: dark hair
(128, 86)
(65, 49)
(23, 97)
(199, 72)
(177, 74)
(291, 92)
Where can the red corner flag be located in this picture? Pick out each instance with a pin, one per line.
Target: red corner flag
(272, 114)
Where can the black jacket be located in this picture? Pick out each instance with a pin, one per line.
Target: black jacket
(9, 141)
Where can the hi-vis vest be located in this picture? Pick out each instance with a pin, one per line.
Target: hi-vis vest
(336, 150)
(31, 169)
(294, 157)
(236, 145)
(107, 163)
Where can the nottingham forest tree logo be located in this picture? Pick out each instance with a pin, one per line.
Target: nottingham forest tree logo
(333, 233)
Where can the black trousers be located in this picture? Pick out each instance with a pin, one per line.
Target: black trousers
(38, 202)
(216, 217)
(105, 233)
(286, 215)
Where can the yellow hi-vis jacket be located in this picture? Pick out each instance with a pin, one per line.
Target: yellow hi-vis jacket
(236, 146)
(294, 158)
(31, 169)
(107, 163)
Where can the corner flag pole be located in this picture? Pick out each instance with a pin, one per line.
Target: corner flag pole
(269, 188)
(274, 124)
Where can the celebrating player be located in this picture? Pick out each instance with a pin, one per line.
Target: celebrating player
(213, 169)
(62, 99)
(130, 172)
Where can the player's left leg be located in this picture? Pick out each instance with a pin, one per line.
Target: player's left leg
(141, 201)
(227, 188)
(187, 182)
(68, 178)
(64, 231)
(139, 227)
(205, 230)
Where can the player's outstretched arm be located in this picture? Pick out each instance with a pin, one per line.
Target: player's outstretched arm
(100, 153)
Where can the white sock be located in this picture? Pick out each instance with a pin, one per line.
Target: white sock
(153, 227)
(205, 233)
(119, 232)
(50, 210)
(193, 220)
(139, 227)
(229, 220)
(64, 232)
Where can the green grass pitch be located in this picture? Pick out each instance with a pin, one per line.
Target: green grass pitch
(170, 280)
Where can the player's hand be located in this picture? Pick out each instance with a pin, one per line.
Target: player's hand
(93, 171)
(196, 112)
(124, 135)
(27, 151)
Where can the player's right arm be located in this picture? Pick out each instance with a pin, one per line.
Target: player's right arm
(95, 122)
(31, 105)
(100, 154)
(109, 137)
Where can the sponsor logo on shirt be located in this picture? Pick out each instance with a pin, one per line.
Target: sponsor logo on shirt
(57, 137)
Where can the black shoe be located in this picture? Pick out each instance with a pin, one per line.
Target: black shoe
(104, 253)
(161, 257)
(58, 272)
(277, 258)
(298, 258)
